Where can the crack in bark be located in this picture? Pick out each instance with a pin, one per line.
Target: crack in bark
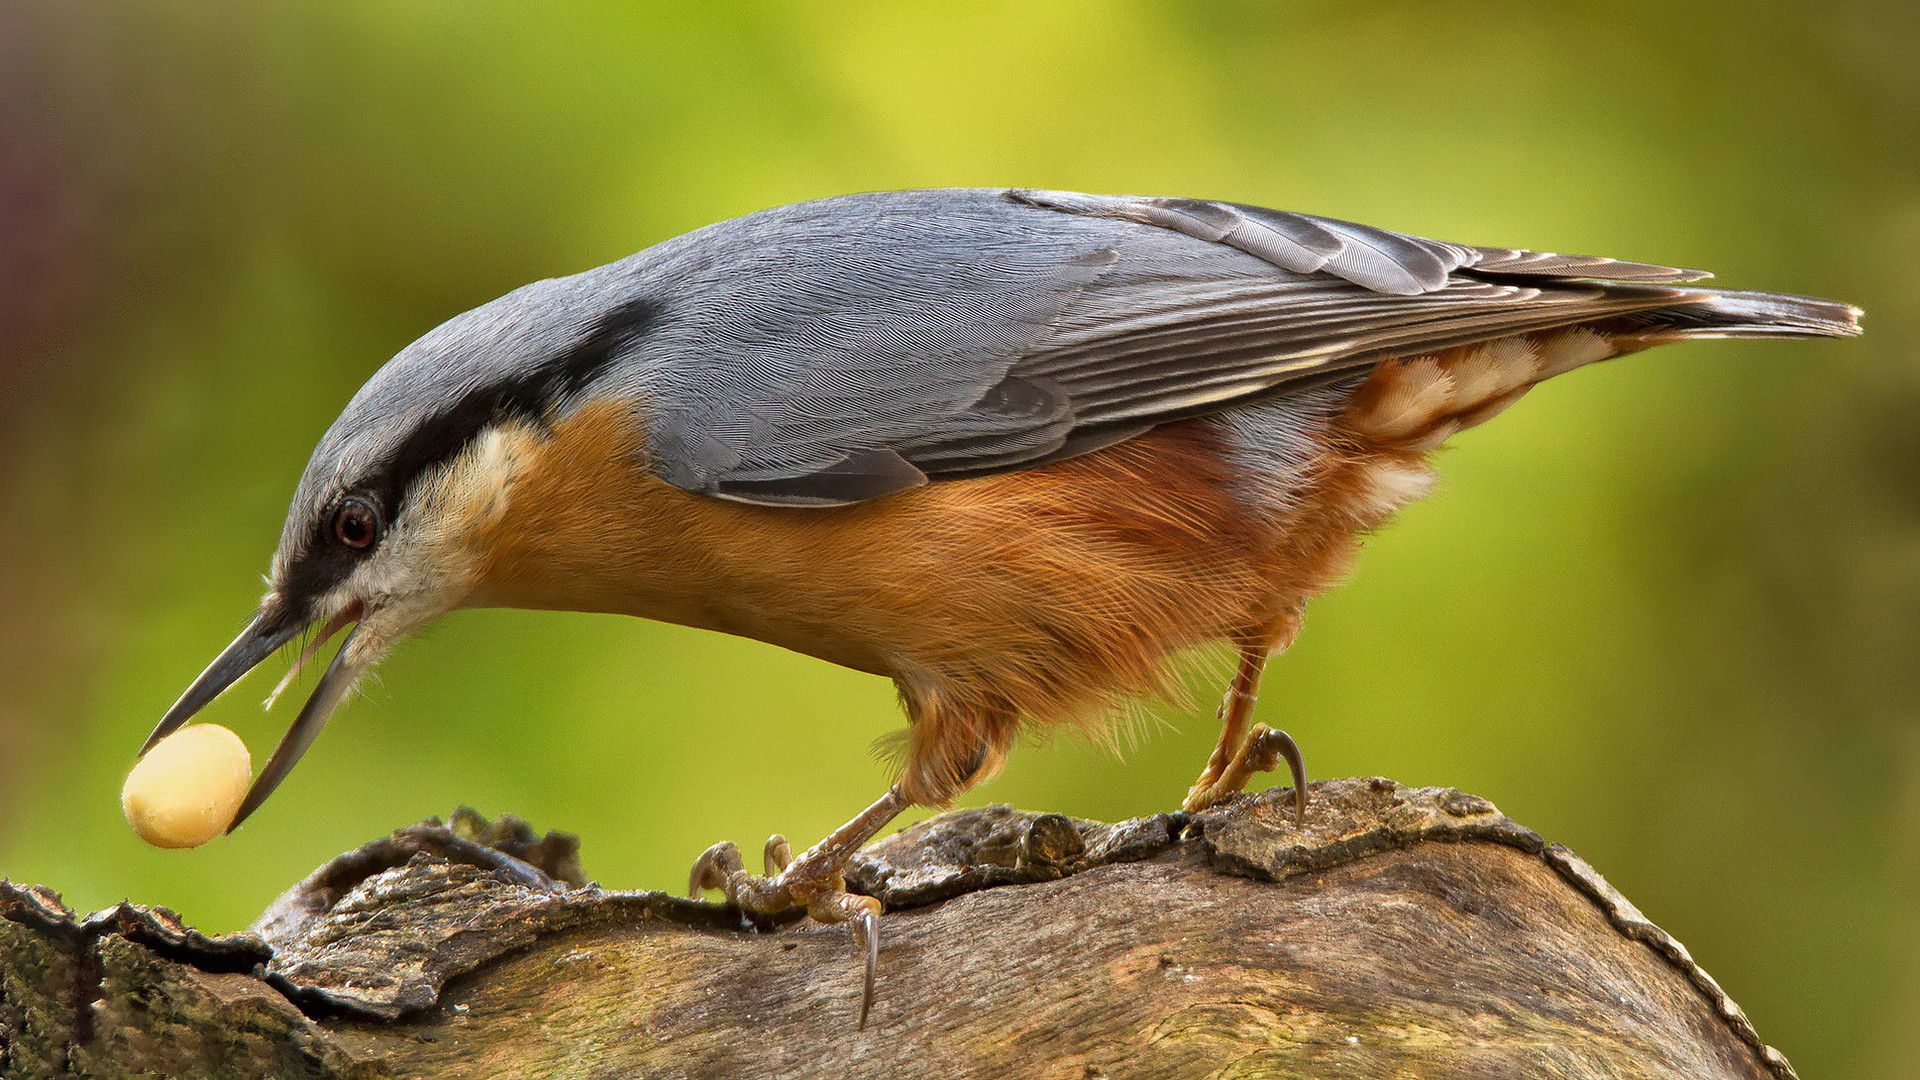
(41, 908)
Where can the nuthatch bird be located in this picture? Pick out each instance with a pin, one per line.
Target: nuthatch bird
(1014, 450)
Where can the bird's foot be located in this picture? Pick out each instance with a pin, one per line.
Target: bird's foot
(1262, 750)
(818, 886)
(815, 886)
(815, 882)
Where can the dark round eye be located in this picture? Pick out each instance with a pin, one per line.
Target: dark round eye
(356, 524)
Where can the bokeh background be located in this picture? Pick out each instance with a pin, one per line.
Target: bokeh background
(1664, 612)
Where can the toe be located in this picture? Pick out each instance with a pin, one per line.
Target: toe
(778, 855)
(714, 869)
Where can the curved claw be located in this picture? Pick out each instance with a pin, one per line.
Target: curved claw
(778, 854)
(715, 867)
(720, 867)
(866, 934)
(1262, 750)
(816, 881)
(1266, 748)
(862, 914)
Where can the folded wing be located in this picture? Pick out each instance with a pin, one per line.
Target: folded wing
(872, 343)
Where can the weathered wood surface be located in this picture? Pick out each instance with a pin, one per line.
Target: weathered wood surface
(1401, 932)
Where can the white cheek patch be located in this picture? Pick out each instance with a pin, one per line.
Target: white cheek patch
(471, 491)
(484, 474)
(426, 563)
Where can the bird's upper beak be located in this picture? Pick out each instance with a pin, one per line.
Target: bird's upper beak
(276, 624)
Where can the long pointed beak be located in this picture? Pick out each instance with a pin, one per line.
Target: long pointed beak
(273, 627)
(339, 677)
(269, 630)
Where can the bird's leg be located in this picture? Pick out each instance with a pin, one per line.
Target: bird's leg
(1241, 752)
(1262, 751)
(816, 881)
(1234, 712)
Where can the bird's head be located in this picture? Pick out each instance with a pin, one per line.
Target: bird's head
(390, 523)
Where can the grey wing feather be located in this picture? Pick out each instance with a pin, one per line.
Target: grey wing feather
(832, 352)
(799, 351)
(1377, 259)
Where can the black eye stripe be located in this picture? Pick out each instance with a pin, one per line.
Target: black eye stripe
(324, 560)
(527, 396)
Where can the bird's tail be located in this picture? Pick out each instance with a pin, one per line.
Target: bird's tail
(1722, 313)
(1416, 404)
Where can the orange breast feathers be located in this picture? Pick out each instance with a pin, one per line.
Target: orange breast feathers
(1048, 595)
(1020, 579)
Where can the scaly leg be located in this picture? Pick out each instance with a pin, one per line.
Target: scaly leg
(1234, 712)
(1241, 752)
(815, 881)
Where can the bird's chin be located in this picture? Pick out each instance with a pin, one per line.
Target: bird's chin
(347, 615)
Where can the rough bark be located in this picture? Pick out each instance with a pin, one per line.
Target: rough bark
(1399, 932)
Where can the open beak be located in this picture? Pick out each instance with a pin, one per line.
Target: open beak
(272, 628)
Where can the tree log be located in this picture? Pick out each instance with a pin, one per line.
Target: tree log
(1397, 932)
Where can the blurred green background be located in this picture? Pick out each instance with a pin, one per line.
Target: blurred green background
(1664, 612)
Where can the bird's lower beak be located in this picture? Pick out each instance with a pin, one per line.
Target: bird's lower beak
(272, 628)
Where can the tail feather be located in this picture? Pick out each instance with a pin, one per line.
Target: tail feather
(1724, 313)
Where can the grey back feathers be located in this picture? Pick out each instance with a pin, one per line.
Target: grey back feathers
(835, 351)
